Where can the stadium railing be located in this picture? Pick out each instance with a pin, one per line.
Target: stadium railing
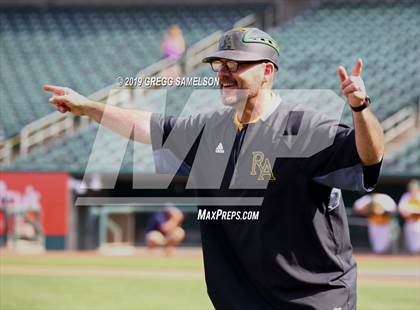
(399, 123)
(55, 124)
(196, 53)
(247, 21)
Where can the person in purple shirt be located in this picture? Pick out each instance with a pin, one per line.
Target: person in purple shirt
(173, 44)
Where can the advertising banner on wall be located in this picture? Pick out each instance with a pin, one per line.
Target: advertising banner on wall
(43, 197)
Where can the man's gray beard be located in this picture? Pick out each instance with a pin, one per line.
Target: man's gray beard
(230, 101)
(239, 97)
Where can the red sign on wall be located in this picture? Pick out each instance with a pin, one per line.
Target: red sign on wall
(47, 191)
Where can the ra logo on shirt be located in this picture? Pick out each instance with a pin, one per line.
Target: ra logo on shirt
(263, 165)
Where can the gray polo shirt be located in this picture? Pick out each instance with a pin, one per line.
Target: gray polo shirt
(298, 254)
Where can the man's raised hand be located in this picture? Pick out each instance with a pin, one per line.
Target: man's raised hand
(353, 86)
(67, 100)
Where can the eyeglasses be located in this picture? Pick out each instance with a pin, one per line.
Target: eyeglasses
(230, 65)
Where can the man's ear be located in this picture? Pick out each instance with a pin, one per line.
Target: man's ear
(268, 70)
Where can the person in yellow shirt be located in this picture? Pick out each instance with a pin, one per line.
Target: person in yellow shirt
(378, 208)
(409, 208)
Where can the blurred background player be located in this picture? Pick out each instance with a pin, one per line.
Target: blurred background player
(173, 44)
(378, 208)
(409, 208)
(173, 47)
(164, 229)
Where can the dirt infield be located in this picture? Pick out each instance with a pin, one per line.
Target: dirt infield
(197, 252)
(97, 271)
(387, 258)
(138, 253)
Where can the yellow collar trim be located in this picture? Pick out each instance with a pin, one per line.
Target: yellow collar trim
(242, 125)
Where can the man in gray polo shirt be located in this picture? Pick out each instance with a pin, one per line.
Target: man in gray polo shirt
(297, 254)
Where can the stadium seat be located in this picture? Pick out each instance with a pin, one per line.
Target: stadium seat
(405, 160)
(312, 46)
(88, 48)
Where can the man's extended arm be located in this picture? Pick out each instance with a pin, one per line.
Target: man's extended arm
(368, 131)
(132, 124)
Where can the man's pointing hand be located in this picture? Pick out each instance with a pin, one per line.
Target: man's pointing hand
(352, 86)
(67, 100)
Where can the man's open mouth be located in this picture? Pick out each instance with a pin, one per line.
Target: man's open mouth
(228, 84)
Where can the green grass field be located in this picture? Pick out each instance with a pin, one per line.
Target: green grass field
(96, 282)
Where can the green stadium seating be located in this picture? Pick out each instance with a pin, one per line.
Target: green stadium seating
(405, 160)
(386, 35)
(312, 46)
(87, 49)
(72, 154)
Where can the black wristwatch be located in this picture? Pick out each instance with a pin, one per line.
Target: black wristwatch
(364, 105)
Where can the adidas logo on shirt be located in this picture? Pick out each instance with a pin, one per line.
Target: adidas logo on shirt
(219, 149)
